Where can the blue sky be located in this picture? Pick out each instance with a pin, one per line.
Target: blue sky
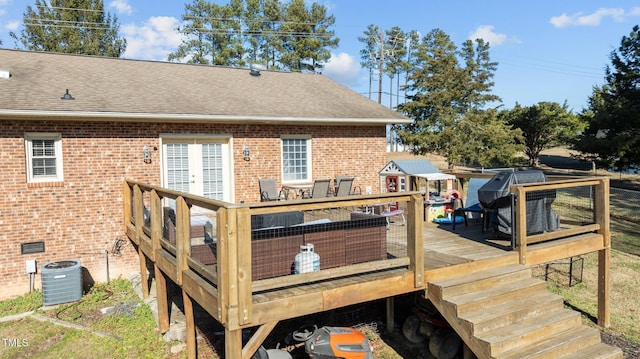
(546, 50)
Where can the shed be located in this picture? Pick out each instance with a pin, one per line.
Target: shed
(412, 175)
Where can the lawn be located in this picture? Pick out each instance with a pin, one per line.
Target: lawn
(108, 322)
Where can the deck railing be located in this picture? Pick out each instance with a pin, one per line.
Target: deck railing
(543, 212)
(226, 258)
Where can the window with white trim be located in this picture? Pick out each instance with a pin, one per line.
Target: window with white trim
(296, 159)
(44, 157)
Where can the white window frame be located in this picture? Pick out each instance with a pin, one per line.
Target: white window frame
(307, 138)
(29, 138)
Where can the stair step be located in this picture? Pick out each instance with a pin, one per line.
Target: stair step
(596, 351)
(568, 342)
(510, 312)
(480, 280)
(530, 331)
(499, 294)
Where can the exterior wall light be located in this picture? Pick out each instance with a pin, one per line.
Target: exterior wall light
(146, 155)
(246, 153)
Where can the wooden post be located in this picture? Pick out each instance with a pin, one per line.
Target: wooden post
(222, 268)
(521, 222)
(156, 223)
(604, 255)
(228, 287)
(244, 264)
(192, 349)
(126, 204)
(138, 217)
(415, 238)
(183, 237)
(160, 279)
(162, 300)
(232, 343)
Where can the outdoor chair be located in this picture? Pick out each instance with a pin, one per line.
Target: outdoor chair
(344, 187)
(354, 189)
(320, 189)
(269, 191)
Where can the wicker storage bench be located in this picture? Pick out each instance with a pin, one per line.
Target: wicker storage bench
(338, 243)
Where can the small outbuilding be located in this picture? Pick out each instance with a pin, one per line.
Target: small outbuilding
(414, 175)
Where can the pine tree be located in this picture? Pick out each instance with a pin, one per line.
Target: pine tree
(71, 26)
(287, 36)
(449, 94)
(612, 137)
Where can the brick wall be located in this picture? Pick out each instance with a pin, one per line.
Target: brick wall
(82, 217)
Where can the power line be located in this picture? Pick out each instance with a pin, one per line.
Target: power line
(554, 67)
(67, 8)
(545, 68)
(213, 31)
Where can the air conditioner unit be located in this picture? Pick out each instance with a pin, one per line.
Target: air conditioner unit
(61, 281)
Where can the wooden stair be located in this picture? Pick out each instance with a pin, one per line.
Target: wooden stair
(505, 313)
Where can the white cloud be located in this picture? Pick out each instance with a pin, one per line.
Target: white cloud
(152, 41)
(12, 25)
(594, 19)
(121, 6)
(486, 33)
(342, 68)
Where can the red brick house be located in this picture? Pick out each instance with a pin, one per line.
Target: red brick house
(74, 127)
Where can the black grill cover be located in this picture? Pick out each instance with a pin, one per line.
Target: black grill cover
(495, 195)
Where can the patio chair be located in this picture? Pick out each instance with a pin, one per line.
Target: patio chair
(269, 191)
(343, 187)
(320, 189)
(354, 189)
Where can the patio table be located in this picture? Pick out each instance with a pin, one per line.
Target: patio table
(298, 189)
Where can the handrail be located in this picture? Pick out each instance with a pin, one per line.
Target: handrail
(601, 225)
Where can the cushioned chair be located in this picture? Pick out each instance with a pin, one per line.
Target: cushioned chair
(269, 191)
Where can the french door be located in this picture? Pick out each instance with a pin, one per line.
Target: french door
(199, 166)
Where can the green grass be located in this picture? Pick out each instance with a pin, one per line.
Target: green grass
(130, 327)
(26, 303)
(625, 289)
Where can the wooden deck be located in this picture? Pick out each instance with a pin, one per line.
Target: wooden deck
(419, 253)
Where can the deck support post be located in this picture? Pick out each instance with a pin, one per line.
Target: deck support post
(144, 277)
(161, 298)
(192, 350)
(390, 314)
(233, 343)
(604, 288)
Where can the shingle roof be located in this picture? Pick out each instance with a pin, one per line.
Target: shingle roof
(139, 89)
